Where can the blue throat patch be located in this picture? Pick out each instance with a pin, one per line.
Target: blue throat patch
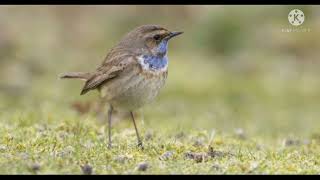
(160, 61)
(162, 47)
(155, 62)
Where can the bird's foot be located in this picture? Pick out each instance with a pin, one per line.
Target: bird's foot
(140, 145)
(109, 145)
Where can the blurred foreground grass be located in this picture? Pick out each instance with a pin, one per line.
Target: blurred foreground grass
(250, 95)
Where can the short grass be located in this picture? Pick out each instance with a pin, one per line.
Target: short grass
(209, 119)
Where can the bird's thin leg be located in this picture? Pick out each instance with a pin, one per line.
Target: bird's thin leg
(135, 126)
(109, 125)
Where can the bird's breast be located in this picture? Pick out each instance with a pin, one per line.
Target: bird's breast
(139, 85)
(139, 90)
(153, 64)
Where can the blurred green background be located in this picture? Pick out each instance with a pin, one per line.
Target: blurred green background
(234, 67)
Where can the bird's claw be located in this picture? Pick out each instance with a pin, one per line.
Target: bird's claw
(109, 146)
(140, 145)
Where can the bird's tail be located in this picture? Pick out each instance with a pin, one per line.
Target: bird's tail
(76, 75)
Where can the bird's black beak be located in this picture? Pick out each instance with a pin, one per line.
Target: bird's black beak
(173, 34)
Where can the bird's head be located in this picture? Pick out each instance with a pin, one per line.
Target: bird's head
(149, 39)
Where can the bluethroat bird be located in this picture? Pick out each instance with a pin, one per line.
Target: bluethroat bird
(132, 73)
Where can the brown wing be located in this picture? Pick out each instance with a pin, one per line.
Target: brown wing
(112, 66)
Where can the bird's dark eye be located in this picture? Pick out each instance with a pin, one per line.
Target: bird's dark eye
(156, 37)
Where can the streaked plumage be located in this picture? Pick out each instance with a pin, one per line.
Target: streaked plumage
(133, 72)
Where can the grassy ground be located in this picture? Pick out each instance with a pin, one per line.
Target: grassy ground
(228, 123)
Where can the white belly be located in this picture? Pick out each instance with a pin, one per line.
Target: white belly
(134, 91)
